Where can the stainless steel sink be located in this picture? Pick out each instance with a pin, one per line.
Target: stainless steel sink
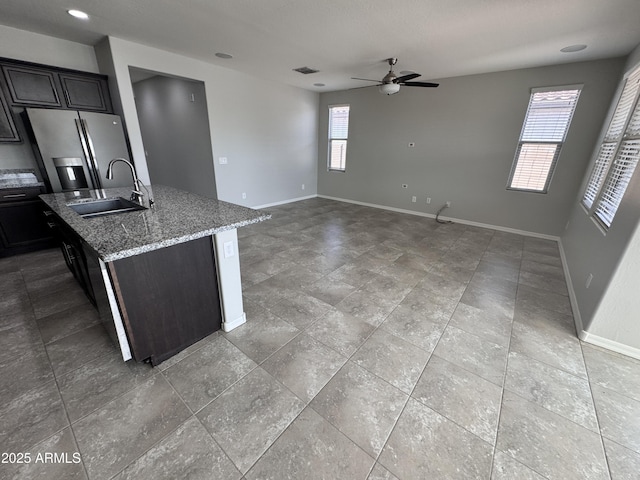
(108, 206)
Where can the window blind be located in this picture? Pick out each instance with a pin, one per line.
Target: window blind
(338, 135)
(549, 115)
(618, 180)
(544, 130)
(611, 139)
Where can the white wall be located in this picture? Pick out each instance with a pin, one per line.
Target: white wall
(267, 131)
(608, 312)
(466, 132)
(32, 47)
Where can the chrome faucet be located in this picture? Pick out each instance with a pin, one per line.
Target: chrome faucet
(136, 193)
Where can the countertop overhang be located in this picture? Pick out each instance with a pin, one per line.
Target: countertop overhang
(176, 217)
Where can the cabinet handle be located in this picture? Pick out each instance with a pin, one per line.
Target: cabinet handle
(47, 213)
(52, 224)
(70, 255)
(15, 195)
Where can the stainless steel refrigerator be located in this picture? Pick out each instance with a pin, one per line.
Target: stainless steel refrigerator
(76, 148)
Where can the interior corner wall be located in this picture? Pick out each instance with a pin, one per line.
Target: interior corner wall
(266, 130)
(175, 131)
(466, 132)
(609, 309)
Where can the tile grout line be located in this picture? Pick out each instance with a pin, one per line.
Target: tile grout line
(597, 415)
(55, 380)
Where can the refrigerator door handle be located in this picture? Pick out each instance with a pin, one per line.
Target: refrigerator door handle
(89, 152)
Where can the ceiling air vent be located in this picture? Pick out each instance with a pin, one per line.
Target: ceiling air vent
(305, 70)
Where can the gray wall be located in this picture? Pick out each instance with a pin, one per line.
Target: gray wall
(466, 132)
(175, 133)
(609, 308)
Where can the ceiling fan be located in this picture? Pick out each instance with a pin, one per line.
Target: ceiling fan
(391, 83)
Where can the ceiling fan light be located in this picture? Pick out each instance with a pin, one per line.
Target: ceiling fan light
(389, 88)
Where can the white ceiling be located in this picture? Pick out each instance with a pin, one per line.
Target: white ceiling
(349, 38)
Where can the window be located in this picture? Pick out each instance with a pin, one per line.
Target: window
(338, 133)
(617, 156)
(545, 128)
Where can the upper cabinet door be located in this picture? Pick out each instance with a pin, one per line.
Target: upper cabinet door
(30, 86)
(85, 93)
(8, 131)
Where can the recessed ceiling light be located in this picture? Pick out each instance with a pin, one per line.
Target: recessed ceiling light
(318, 84)
(226, 56)
(573, 48)
(78, 14)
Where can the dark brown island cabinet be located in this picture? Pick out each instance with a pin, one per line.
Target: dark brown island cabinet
(161, 289)
(166, 299)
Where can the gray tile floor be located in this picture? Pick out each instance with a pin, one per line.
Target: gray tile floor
(378, 345)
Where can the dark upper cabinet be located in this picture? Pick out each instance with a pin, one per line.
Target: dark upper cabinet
(8, 131)
(85, 93)
(29, 84)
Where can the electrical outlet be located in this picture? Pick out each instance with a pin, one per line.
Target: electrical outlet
(244, 195)
(223, 160)
(448, 204)
(228, 249)
(414, 199)
(428, 200)
(303, 186)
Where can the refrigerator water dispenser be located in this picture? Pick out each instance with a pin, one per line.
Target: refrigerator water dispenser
(70, 173)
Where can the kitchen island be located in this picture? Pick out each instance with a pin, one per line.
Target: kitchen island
(161, 278)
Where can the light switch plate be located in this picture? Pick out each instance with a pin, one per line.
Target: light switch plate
(228, 249)
(223, 160)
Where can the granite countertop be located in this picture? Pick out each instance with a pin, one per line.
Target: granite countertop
(19, 178)
(176, 217)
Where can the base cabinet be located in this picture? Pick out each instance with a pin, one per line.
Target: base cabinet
(22, 223)
(73, 251)
(168, 298)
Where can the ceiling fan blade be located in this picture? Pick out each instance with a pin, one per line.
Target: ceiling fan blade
(365, 79)
(420, 84)
(404, 78)
(358, 88)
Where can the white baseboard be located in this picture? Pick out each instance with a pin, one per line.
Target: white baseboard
(452, 219)
(582, 334)
(228, 326)
(283, 202)
(609, 344)
(577, 318)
